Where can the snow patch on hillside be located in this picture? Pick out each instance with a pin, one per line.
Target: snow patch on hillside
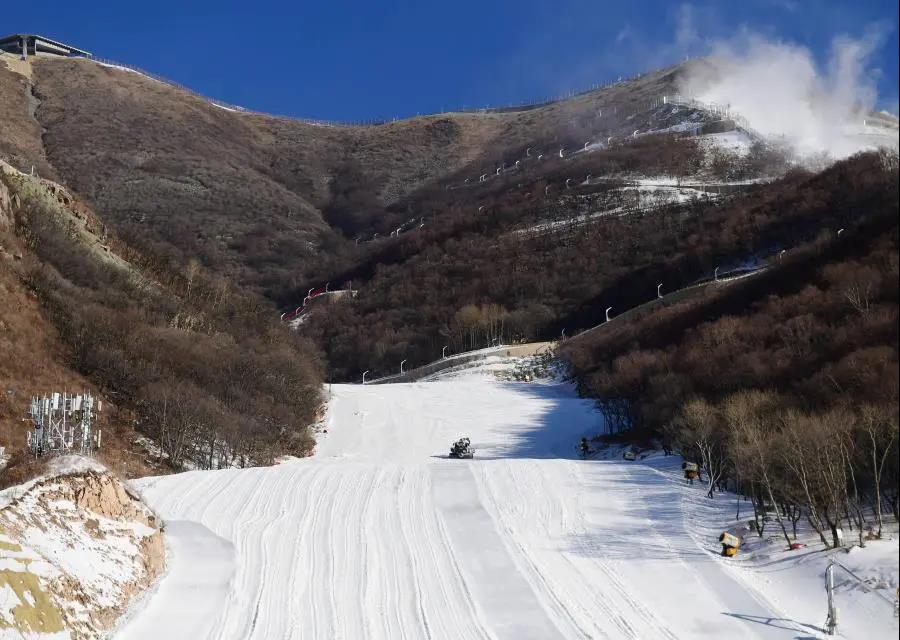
(58, 466)
(119, 67)
(736, 141)
(74, 549)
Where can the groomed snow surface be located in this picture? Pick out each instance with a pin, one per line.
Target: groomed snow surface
(380, 535)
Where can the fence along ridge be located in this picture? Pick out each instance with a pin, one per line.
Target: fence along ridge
(524, 106)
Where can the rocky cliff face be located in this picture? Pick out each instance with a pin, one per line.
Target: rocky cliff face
(75, 549)
(8, 203)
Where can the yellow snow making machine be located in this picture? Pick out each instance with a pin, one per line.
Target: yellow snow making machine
(730, 544)
(691, 471)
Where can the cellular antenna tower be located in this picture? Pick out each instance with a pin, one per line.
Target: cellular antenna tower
(62, 423)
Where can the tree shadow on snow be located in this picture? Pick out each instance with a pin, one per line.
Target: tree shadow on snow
(649, 524)
(552, 431)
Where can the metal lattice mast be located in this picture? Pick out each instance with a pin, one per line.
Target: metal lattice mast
(63, 423)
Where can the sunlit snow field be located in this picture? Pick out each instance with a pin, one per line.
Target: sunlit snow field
(380, 535)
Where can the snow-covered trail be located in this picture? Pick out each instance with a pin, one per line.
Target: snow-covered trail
(201, 568)
(381, 536)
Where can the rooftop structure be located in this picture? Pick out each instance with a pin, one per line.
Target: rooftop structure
(30, 44)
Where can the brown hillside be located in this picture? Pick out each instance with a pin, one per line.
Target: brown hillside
(34, 358)
(84, 310)
(20, 132)
(246, 192)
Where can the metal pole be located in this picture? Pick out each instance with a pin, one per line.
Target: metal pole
(402, 362)
(444, 351)
(364, 375)
(659, 291)
(832, 621)
(608, 309)
(716, 274)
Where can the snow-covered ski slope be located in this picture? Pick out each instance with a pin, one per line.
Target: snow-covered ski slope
(380, 535)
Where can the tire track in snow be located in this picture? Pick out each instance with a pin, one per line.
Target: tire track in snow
(700, 575)
(301, 507)
(365, 548)
(449, 602)
(719, 575)
(624, 591)
(320, 557)
(447, 548)
(405, 497)
(510, 609)
(376, 538)
(562, 613)
(513, 489)
(263, 520)
(350, 561)
(300, 585)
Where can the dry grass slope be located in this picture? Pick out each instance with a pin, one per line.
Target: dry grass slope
(245, 192)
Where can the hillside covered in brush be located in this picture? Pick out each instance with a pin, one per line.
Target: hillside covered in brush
(456, 230)
(270, 201)
(181, 356)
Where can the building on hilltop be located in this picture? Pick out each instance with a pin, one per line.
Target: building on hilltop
(30, 44)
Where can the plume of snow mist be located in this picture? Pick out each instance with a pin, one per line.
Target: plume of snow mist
(781, 91)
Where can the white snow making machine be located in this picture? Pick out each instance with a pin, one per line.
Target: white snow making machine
(462, 448)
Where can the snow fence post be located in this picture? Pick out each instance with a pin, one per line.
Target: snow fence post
(832, 620)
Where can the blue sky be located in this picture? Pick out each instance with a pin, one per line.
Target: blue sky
(345, 60)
